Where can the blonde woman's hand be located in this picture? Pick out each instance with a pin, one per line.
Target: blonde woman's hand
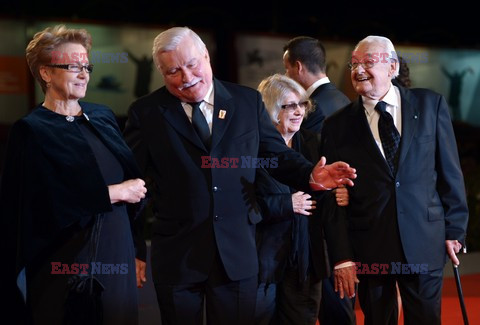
(303, 203)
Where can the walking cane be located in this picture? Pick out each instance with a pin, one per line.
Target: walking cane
(460, 293)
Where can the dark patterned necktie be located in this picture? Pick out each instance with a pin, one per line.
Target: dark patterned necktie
(200, 124)
(388, 135)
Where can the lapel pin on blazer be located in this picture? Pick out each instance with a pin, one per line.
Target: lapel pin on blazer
(221, 114)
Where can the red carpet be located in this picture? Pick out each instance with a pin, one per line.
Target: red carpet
(451, 312)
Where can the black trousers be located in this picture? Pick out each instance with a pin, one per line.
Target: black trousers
(289, 302)
(333, 310)
(226, 301)
(421, 298)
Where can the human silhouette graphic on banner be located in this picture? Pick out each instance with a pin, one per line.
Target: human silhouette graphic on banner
(144, 73)
(456, 83)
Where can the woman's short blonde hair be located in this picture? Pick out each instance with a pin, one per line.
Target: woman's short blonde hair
(39, 50)
(276, 88)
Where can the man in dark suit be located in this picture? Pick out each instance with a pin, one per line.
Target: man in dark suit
(305, 61)
(198, 141)
(408, 209)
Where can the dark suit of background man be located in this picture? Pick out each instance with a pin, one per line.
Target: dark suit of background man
(415, 212)
(304, 59)
(203, 242)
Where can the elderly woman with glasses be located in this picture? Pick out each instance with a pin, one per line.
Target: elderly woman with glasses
(69, 193)
(290, 237)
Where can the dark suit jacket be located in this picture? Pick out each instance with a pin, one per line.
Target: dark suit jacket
(200, 210)
(52, 186)
(327, 99)
(282, 234)
(407, 216)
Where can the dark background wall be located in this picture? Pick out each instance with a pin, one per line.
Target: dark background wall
(403, 22)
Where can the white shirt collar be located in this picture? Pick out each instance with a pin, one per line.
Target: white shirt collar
(391, 98)
(209, 96)
(208, 99)
(317, 84)
(206, 107)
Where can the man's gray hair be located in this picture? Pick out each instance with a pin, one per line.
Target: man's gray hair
(387, 45)
(169, 40)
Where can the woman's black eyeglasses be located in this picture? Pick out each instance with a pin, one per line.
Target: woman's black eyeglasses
(73, 67)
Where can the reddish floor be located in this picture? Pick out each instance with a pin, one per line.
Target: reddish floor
(451, 312)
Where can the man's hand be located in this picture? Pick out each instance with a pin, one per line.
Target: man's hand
(326, 177)
(140, 270)
(345, 280)
(453, 247)
(341, 195)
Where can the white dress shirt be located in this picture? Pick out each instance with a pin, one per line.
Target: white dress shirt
(206, 107)
(393, 100)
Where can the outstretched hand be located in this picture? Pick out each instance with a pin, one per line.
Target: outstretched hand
(327, 177)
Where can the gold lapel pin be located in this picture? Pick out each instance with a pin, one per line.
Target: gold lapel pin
(221, 114)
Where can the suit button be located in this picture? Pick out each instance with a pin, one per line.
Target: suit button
(397, 184)
(216, 218)
(215, 189)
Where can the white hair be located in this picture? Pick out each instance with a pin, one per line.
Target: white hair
(275, 89)
(387, 46)
(169, 39)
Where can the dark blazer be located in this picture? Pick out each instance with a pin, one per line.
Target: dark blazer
(282, 233)
(407, 216)
(327, 99)
(200, 210)
(52, 185)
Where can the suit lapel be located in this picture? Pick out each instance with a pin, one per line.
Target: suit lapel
(173, 112)
(410, 117)
(316, 91)
(223, 112)
(365, 136)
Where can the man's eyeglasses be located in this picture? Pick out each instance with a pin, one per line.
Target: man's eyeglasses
(293, 106)
(367, 64)
(77, 68)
